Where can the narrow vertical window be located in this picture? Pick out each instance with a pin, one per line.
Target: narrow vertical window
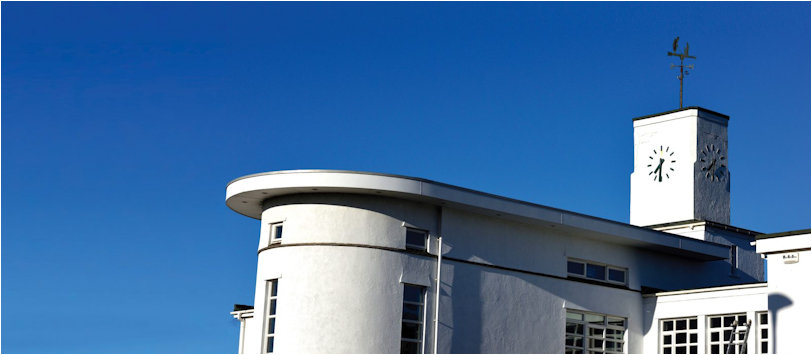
(762, 334)
(679, 336)
(411, 328)
(270, 316)
(276, 233)
(416, 239)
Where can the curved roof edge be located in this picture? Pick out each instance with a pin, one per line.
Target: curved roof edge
(245, 195)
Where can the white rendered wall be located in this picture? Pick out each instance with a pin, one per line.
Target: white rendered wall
(686, 193)
(747, 299)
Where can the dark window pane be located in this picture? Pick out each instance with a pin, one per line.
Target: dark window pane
(667, 340)
(277, 232)
(617, 275)
(271, 325)
(742, 320)
(575, 328)
(595, 343)
(574, 267)
(694, 350)
(411, 312)
(272, 308)
(764, 347)
(413, 293)
(597, 272)
(714, 349)
(407, 347)
(728, 322)
(692, 324)
(716, 322)
(681, 338)
(269, 346)
(715, 336)
(410, 331)
(595, 332)
(764, 334)
(273, 287)
(727, 334)
(693, 338)
(681, 350)
(682, 324)
(763, 318)
(668, 325)
(666, 350)
(415, 239)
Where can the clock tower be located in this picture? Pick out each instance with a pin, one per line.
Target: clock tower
(680, 168)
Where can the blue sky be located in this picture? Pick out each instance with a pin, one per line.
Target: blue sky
(122, 124)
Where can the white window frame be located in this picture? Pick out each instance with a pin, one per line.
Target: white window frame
(606, 267)
(725, 326)
(688, 331)
(270, 297)
(425, 234)
(276, 233)
(586, 336)
(421, 322)
(762, 326)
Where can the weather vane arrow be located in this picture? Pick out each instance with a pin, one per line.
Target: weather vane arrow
(682, 72)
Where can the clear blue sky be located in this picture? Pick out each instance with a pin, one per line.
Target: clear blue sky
(122, 124)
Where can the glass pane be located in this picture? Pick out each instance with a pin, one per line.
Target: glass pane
(764, 334)
(666, 350)
(693, 338)
(681, 338)
(575, 328)
(727, 334)
(620, 322)
(596, 332)
(728, 322)
(715, 336)
(277, 231)
(411, 312)
(574, 267)
(668, 325)
(410, 331)
(716, 322)
(271, 325)
(597, 272)
(681, 350)
(762, 318)
(415, 239)
(714, 349)
(694, 350)
(576, 316)
(272, 308)
(596, 343)
(742, 320)
(614, 334)
(573, 340)
(692, 324)
(764, 347)
(682, 324)
(269, 345)
(273, 287)
(594, 318)
(407, 347)
(413, 293)
(617, 275)
(666, 340)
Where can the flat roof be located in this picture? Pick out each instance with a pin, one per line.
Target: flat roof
(246, 194)
(783, 234)
(683, 109)
(712, 224)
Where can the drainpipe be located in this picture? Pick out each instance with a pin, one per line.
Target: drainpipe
(437, 299)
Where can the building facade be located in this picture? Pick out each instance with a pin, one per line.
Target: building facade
(354, 262)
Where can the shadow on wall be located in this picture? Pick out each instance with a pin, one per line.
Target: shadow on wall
(775, 302)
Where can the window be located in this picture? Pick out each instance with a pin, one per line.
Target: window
(416, 239)
(411, 326)
(276, 233)
(596, 271)
(594, 333)
(270, 316)
(720, 328)
(762, 334)
(679, 336)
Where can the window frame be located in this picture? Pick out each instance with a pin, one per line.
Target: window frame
(692, 347)
(724, 328)
(760, 328)
(271, 297)
(586, 328)
(421, 322)
(423, 232)
(585, 267)
(276, 233)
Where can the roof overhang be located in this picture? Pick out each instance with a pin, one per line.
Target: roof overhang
(245, 195)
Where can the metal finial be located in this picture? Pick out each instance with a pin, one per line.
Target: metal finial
(682, 56)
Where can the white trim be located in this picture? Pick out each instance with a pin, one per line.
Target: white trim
(709, 289)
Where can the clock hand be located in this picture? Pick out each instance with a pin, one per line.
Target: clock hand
(660, 169)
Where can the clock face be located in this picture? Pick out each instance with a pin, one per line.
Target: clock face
(661, 163)
(713, 163)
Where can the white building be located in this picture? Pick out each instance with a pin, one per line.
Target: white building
(354, 262)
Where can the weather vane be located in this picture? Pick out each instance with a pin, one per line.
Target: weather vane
(682, 73)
